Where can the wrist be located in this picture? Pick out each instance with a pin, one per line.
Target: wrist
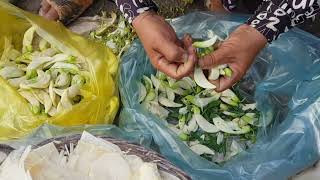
(253, 35)
(133, 8)
(140, 21)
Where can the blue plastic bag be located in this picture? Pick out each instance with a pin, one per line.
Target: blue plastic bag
(284, 81)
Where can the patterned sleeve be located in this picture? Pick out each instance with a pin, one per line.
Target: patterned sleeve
(132, 8)
(274, 17)
(229, 5)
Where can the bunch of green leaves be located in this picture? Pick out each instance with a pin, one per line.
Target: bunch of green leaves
(115, 32)
(189, 99)
(47, 78)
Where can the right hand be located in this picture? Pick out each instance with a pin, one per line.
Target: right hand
(166, 52)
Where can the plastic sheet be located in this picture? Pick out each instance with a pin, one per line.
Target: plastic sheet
(284, 81)
(48, 131)
(100, 103)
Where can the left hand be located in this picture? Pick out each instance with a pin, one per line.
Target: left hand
(238, 51)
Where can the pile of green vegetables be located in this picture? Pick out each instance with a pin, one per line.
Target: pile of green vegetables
(215, 125)
(115, 32)
(50, 80)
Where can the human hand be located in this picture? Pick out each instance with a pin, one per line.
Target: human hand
(66, 11)
(47, 11)
(238, 51)
(166, 52)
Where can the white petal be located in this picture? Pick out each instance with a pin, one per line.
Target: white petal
(11, 72)
(166, 102)
(63, 80)
(192, 125)
(229, 128)
(73, 91)
(65, 102)
(201, 149)
(183, 110)
(142, 92)
(214, 74)
(219, 138)
(252, 106)
(170, 94)
(201, 79)
(52, 94)
(15, 82)
(204, 124)
(42, 81)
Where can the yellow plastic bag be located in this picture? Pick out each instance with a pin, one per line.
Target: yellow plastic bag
(100, 103)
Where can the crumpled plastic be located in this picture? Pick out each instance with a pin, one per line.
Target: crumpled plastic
(48, 131)
(100, 103)
(284, 81)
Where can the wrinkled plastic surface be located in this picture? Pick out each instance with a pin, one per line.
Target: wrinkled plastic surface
(48, 131)
(100, 103)
(284, 81)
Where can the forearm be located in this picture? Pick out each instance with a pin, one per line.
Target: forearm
(274, 17)
(133, 8)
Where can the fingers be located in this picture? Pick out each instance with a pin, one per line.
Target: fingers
(176, 59)
(172, 51)
(218, 57)
(45, 6)
(188, 67)
(47, 11)
(51, 14)
(175, 70)
(187, 41)
(175, 51)
(224, 82)
(168, 68)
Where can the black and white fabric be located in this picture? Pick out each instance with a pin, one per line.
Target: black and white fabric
(132, 8)
(229, 5)
(272, 18)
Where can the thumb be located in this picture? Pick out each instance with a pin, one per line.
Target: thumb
(172, 52)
